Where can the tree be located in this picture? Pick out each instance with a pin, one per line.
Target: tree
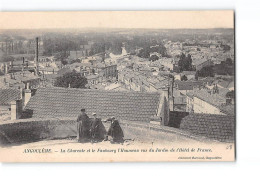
(225, 67)
(153, 58)
(185, 62)
(75, 61)
(226, 48)
(205, 72)
(71, 79)
(64, 62)
(144, 53)
(230, 94)
(229, 61)
(184, 78)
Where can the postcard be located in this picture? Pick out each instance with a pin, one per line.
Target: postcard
(117, 86)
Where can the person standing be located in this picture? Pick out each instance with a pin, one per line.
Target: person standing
(115, 131)
(94, 129)
(82, 126)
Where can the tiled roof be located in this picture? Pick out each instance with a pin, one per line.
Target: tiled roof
(198, 61)
(217, 99)
(190, 94)
(228, 109)
(161, 84)
(90, 77)
(187, 85)
(49, 69)
(64, 71)
(218, 127)
(8, 95)
(51, 76)
(67, 102)
(226, 84)
(26, 77)
(188, 73)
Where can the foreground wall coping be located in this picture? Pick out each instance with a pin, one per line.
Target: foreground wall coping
(149, 126)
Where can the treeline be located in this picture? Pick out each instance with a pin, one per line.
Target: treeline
(112, 42)
(55, 45)
(145, 52)
(146, 45)
(139, 42)
(224, 68)
(114, 46)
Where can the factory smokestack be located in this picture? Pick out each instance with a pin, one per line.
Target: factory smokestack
(36, 55)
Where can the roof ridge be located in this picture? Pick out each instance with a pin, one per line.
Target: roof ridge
(97, 90)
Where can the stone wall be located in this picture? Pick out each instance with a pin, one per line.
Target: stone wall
(29, 130)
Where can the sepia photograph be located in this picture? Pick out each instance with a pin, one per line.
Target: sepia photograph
(117, 86)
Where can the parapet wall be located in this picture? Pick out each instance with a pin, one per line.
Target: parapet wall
(27, 130)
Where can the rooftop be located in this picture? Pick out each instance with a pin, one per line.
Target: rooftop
(188, 73)
(187, 85)
(226, 84)
(8, 95)
(218, 127)
(67, 102)
(217, 99)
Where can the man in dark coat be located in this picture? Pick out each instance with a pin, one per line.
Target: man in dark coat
(115, 131)
(94, 129)
(82, 126)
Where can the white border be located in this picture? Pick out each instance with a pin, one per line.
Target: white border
(247, 70)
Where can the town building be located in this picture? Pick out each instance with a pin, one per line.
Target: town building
(206, 101)
(200, 63)
(20, 80)
(213, 126)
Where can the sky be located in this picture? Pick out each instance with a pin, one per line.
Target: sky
(117, 19)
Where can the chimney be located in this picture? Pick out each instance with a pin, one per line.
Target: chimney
(27, 94)
(13, 110)
(6, 69)
(16, 109)
(21, 92)
(36, 54)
